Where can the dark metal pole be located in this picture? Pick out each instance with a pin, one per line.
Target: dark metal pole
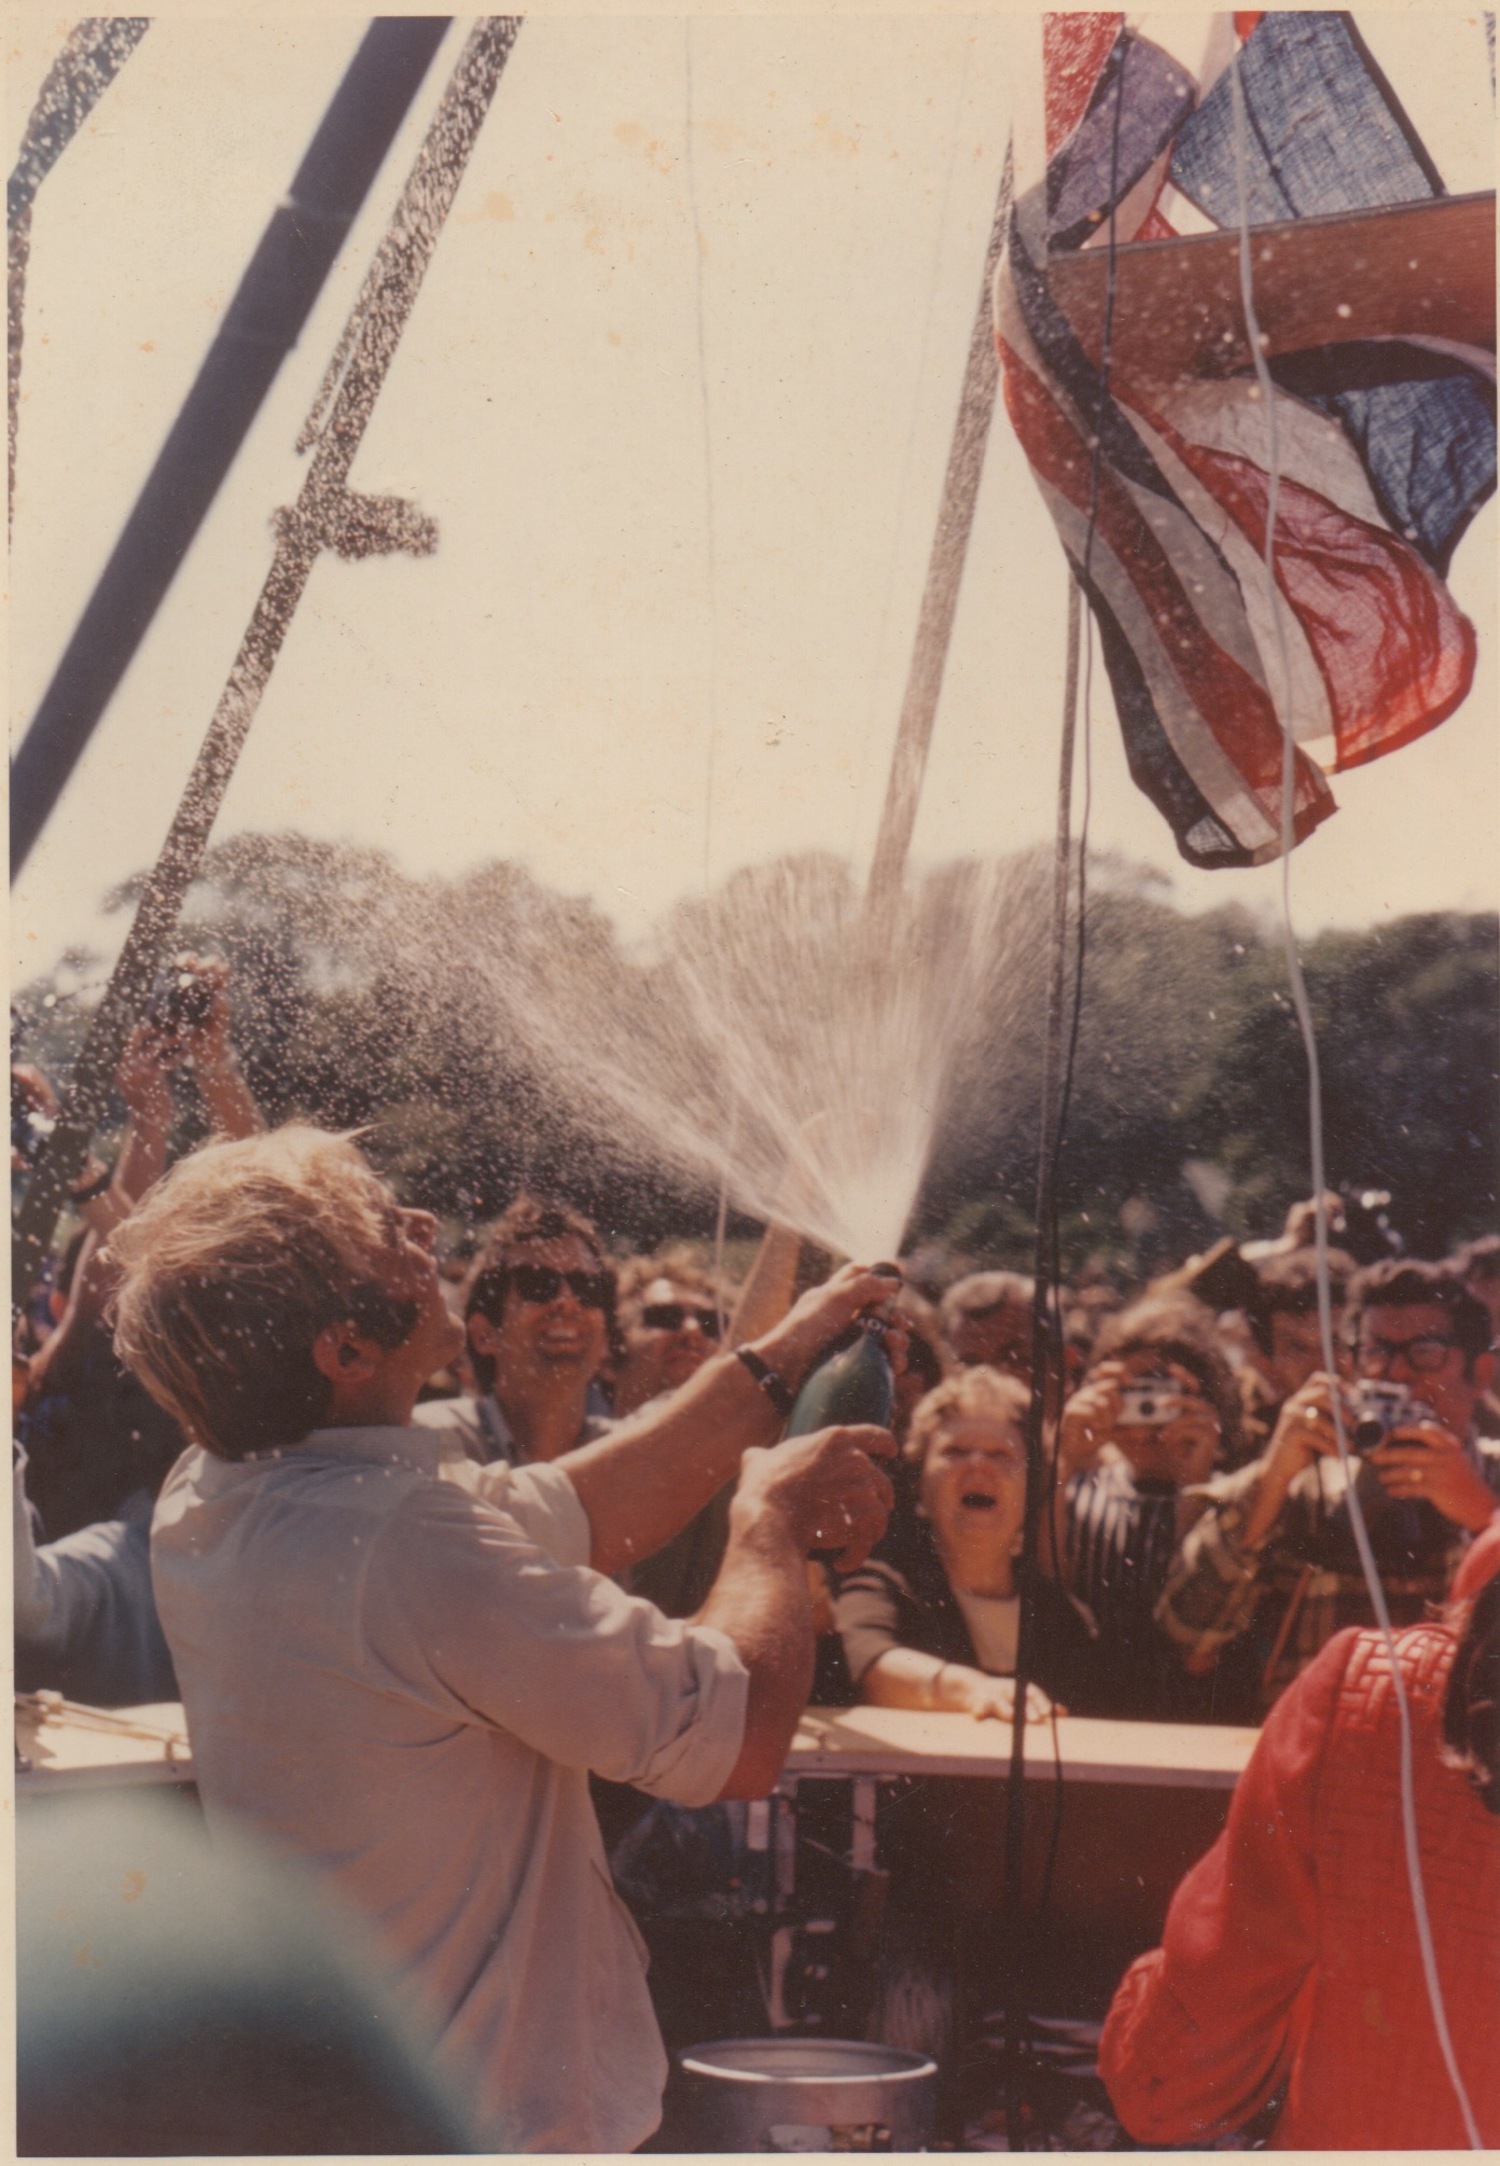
(280, 285)
(326, 515)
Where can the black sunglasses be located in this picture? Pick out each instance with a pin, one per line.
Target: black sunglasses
(672, 1315)
(538, 1284)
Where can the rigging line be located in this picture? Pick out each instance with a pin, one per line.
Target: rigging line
(710, 516)
(264, 319)
(1315, 1127)
(711, 529)
(1047, 1325)
(92, 56)
(327, 515)
(1106, 359)
(1037, 1493)
(904, 488)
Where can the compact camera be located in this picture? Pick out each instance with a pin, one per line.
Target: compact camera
(1379, 1408)
(1149, 1406)
(181, 1001)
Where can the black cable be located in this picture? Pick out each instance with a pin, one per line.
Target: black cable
(1058, 1789)
(259, 328)
(1047, 1331)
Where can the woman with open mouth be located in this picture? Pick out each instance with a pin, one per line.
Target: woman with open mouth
(930, 1622)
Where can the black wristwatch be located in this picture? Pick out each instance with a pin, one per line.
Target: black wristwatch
(775, 1387)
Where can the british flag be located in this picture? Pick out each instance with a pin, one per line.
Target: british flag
(1130, 384)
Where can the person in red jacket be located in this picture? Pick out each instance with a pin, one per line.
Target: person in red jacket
(1290, 1964)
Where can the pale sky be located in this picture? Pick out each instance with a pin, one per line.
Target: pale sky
(592, 675)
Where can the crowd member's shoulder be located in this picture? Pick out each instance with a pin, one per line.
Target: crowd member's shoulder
(461, 1412)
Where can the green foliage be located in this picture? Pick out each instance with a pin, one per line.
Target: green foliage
(360, 999)
(1189, 1107)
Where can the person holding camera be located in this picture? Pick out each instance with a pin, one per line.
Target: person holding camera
(1270, 1569)
(88, 1427)
(1285, 1346)
(92, 1447)
(1154, 1413)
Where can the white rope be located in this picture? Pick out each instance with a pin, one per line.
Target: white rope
(710, 519)
(710, 528)
(1315, 1126)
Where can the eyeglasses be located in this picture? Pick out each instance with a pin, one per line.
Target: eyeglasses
(1424, 1354)
(672, 1315)
(538, 1284)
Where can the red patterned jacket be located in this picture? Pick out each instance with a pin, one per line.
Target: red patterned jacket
(1290, 1952)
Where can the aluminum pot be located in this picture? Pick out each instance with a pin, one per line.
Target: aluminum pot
(807, 2094)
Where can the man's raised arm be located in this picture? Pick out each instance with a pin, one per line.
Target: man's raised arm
(645, 1479)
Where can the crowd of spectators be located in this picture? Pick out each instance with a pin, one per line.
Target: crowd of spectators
(1196, 1545)
(1196, 1549)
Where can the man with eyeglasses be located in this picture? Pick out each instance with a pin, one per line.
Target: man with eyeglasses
(1270, 1572)
(540, 1318)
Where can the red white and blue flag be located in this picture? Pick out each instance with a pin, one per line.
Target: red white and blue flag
(1158, 478)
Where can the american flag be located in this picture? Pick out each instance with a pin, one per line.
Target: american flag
(1156, 469)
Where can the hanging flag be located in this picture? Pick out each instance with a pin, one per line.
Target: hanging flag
(1130, 384)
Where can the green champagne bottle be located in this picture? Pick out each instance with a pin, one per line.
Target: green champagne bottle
(854, 1384)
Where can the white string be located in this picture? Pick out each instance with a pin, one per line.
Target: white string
(710, 527)
(1315, 1126)
(709, 513)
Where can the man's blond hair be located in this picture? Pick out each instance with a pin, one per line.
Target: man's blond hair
(976, 1394)
(231, 1267)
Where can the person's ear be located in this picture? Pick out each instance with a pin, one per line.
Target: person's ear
(340, 1354)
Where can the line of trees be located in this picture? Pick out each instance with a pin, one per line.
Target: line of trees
(362, 998)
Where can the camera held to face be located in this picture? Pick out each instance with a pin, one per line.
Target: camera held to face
(1149, 1404)
(181, 1002)
(1380, 1408)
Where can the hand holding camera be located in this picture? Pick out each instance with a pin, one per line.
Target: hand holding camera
(1411, 1453)
(1417, 1456)
(189, 1008)
(1091, 1417)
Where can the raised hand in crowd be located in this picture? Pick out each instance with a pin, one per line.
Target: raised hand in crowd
(1426, 1460)
(194, 1021)
(1089, 1419)
(1421, 1459)
(791, 1346)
